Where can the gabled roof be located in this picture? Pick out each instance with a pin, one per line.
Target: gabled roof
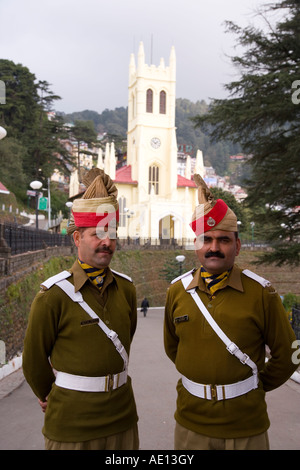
(3, 189)
(123, 175)
(183, 182)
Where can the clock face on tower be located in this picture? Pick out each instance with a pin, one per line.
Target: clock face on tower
(155, 142)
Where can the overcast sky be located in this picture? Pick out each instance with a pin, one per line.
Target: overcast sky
(82, 47)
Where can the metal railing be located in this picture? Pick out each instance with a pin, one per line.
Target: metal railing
(21, 239)
(296, 320)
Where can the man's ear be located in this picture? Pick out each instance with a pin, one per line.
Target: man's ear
(76, 237)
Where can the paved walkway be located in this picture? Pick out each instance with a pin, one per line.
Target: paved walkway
(154, 380)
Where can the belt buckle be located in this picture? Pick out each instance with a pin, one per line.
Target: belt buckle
(109, 383)
(245, 359)
(213, 392)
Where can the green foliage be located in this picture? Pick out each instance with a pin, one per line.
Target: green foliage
(83, 132)
(11, 163)
(215, 154)
(232, 203)
(171, 270)
(18, 116)
(58, 202)
(110, 122)
(290, 300)
(25, 118)
(261, 115)
(16, 300)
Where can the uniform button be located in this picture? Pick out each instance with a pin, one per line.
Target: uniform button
(107, 322)
(209, 305)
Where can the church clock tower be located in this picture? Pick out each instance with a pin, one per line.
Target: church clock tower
(151, 140)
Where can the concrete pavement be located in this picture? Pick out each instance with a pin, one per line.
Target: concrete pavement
(154, 381)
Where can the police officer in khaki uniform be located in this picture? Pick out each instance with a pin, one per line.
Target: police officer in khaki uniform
(79, 333)
(218, 321)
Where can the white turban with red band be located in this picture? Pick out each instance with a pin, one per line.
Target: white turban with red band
(98, 207)
(211, 214)
(95, 212)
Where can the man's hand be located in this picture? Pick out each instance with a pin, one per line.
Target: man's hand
(43, 405)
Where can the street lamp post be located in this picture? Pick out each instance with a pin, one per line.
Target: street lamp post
(36, 185)
(252, 232)
(180, 259)
(69, 205)
(2, 133)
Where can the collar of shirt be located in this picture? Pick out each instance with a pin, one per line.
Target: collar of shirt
(80, 277)
(234, 280)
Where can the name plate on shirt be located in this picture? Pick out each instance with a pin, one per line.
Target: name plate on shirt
(89, 322)
(181, 319)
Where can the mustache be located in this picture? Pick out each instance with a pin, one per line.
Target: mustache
(215, 254)
(104, 249)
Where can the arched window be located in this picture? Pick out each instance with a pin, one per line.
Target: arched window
(153, 179)
(122, 212)
(149, 101)
(162, 102)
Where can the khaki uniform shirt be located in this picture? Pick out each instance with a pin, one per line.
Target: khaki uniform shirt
(251, 316)
(57, 331)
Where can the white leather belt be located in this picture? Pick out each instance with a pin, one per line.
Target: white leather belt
(220, 392)
(91, 384)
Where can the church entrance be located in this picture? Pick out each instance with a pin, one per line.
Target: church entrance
(166, 230)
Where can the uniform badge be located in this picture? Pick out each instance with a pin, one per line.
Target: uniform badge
(211, 222)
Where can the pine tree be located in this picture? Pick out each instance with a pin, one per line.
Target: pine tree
(25, 118)
(262, 114)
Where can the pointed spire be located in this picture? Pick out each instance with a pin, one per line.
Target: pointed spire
(141, 56)
(162, 63)
(74, 184)
(172, 62)
(172, 57)
(106, 159)
(188, 168)
(112, 162)
(199, 166)
(132, 68)
(100, 160)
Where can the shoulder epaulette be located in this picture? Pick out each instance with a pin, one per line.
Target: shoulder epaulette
(257, 278)
(182, 276)
(54, 279)
(122, 275)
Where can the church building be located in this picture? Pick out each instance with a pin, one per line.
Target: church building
(155, 202)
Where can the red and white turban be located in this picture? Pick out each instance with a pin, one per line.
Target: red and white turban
(98, 207)
(211, 214)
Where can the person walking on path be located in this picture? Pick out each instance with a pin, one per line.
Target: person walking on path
(144, 306)
(218, 321)
(80, 329)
